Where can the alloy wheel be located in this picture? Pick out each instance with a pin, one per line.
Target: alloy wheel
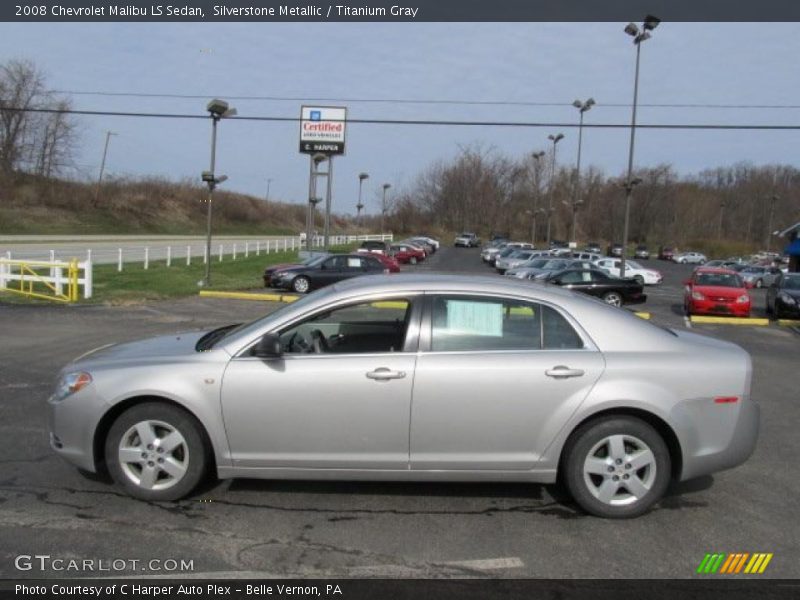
(153, 455)
(619, 470)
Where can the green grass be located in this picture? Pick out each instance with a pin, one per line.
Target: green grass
(158, 282)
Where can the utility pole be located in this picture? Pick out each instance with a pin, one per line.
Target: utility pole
(269, 182)
(102, 167)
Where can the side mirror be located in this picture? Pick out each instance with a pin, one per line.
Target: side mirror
(268, 347)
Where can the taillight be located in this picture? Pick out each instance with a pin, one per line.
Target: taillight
(726, 399)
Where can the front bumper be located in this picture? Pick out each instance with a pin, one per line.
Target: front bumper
(71, 426)
(281, 284)
(782, 309)
(732, 309)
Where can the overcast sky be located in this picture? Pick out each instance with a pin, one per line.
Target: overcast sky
(684, 63)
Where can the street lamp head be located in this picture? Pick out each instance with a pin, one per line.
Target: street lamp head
(642, 37)
(556, 138)
(207, 176)
(314, 201)
(538, 155)
(577, 104)
(217, 107)
(221, 178)
(319, 157)
(386, 186)
(631, 29)
(363, 176)
(651, 22)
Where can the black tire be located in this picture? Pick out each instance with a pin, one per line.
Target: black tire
(301, 285)
(586, 437)
(197, 457)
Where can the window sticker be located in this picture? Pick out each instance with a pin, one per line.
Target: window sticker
(474, 318)
(354, 262)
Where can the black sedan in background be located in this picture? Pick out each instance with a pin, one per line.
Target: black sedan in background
(612, 290)
(326, 270)
(783, 296)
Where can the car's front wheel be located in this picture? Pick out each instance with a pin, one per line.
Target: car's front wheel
(156, 451)
(616, 467)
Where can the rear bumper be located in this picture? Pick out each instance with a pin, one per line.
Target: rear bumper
(706, 454)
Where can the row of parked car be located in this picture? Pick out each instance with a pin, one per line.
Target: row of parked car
(582, 271)
(371, 258)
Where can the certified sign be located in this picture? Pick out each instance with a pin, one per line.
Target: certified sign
(322, 129)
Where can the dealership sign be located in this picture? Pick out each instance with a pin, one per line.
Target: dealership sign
(322, 129)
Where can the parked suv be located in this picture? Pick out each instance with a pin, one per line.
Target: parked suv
(374, 246)
(467, 240)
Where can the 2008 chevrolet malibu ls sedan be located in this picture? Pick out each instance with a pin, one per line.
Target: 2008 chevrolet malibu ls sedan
(416, 378)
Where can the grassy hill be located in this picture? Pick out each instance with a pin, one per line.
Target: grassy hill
(35, 205)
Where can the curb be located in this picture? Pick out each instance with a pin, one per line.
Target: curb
(643, 315)
(755, 322)
(250, 296)
(789, 322)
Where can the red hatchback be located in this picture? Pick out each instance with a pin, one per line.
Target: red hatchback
(716, 292)
(405, 253)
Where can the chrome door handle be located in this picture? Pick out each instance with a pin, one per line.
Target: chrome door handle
(562, 372)
(384, 374)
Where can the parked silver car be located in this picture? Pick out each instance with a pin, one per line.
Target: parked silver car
(416, 378)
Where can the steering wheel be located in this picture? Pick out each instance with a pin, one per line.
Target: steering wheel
(319, 341)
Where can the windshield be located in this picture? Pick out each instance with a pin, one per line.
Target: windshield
(719, 280)
(753, 270)
(555, 264)
(633, 264)
(792, 282)
(537, 263)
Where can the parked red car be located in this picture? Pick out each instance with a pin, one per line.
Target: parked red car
(713, 291)
(388, 262)
(405, 253)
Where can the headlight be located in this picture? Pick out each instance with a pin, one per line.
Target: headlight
(698, 296)
(283, 275)
(787, 299)
(743, 298)
(71, 383)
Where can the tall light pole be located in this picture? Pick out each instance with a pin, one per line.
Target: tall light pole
(537, 157)
(360, 205)
(217, 109)
(772, 200)
(315, 160)
(269, 182)
(639, 36)
(582, 107)
(555, 139)
(386, 186)
(102, 166)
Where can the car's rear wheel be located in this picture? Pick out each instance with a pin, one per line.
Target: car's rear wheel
(616, 467)
(301, 284)
(612, 298)
(156, 451)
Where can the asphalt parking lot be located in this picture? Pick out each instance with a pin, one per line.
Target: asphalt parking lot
(329, 529)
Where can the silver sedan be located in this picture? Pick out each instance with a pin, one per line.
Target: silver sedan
(416, 378)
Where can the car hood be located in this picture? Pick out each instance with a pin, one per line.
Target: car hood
(793, 293)
(721, 291)
(162, 346)
(276, 268)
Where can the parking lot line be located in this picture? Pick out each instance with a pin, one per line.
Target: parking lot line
(643, 315)
(756, 322)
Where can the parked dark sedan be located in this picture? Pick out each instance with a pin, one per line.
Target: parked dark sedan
(325, 271)
(612, 290)
(272, 269)
(783, 296)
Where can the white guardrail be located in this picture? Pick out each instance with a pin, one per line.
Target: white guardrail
(176, 252)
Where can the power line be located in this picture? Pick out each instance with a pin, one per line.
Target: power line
(421, 101)
(434, 122)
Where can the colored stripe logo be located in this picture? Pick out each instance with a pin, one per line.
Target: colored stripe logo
(734, 563)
